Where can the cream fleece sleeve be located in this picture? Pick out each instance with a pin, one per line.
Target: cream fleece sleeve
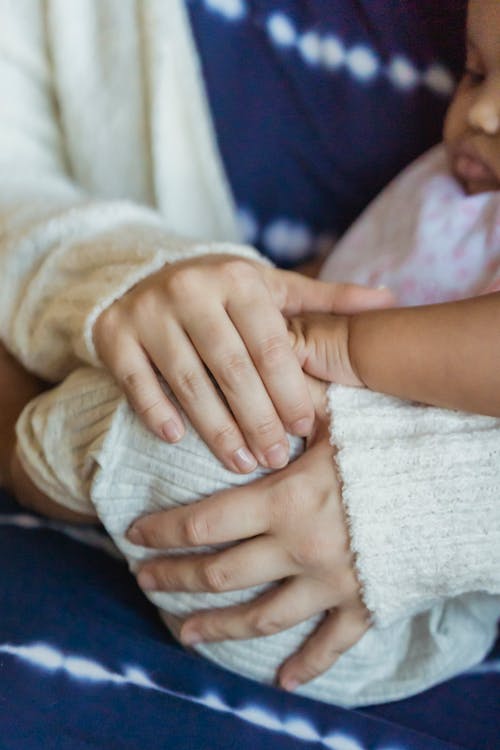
(421, 488)
(64, 255)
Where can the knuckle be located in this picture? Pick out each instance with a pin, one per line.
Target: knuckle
(273, 351)
(107, 327)
(107, 320)
(240, 273)
(144, 304)
(212, 627)
(215, 577)
(287, 502)
(138, 392)
(265, 623)
(306, 555)
(334, 650)
(313, 667)
(224, 437)
(144, 409)
(132, 383)
(195, 530)
(266, 427)
(300, 409)
(153, 535)
(183, 282)
(165, 581)
(187, 385)
(311, 552)
(232, 369)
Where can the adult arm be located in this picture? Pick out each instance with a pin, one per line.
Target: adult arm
(73, 265)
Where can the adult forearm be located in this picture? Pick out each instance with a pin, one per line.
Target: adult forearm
(446, 355)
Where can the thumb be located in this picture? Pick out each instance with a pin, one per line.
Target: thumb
(297, 293)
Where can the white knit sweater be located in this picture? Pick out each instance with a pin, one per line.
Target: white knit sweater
(107, 159)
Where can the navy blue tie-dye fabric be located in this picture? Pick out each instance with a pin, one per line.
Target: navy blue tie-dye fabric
(319, 104)
(86, 663)
(316, 105)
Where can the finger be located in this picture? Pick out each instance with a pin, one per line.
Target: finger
(179, 363)
(233, 514)
(247, 564)
(280, 608)
(131, 368)
(220, 346)
(335, 635)
(264, 331)
(295, 293)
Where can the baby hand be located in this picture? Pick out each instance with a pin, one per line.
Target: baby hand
(321, 344)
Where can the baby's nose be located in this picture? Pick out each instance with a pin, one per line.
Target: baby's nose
(485, 115)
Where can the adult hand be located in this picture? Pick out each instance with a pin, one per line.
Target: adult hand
(293, 532)
(225, 315)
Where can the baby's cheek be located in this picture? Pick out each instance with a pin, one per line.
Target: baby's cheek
(455, 124)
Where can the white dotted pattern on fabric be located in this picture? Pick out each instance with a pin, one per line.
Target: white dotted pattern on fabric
(231, 10)
(328, 52)
(287, 239)
(82, 669)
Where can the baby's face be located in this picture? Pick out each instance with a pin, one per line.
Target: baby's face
(472, 128)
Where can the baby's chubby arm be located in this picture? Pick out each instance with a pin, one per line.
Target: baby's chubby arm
(445, 355)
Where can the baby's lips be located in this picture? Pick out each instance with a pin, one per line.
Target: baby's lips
(471, 169)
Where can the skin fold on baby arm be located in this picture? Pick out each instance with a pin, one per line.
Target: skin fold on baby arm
(445, 355)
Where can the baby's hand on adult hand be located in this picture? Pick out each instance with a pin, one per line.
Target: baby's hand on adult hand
(321, 343)
(294, 534)
(224, 315)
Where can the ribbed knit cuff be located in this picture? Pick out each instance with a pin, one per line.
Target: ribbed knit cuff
(60, 431)
(421, 492)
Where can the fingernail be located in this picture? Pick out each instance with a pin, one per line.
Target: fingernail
(171, 431)
(277, 456)
(290, 684)
(244, 460)
(191, 638)
(135, 535)
(302, 427)
(146, 581)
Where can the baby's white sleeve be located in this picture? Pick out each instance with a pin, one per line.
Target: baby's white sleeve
(422, 497)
